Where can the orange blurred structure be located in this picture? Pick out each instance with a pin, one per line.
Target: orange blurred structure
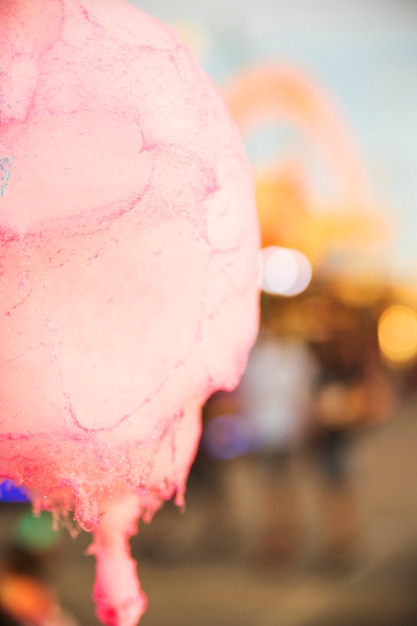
(290, 211)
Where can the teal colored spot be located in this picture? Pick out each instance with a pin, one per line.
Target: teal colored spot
(5, 167)
(36, 531)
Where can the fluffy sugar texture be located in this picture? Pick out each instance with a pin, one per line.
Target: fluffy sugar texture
(127, 271)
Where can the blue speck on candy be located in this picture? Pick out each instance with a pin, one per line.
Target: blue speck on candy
(10, 493)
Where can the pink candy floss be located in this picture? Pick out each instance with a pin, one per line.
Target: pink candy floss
(128, 268)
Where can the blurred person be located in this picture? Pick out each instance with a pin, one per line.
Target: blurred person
(339, 406)
(277, 390)
(350, 398)
(258, 426)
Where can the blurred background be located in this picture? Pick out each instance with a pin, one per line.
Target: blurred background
(301, 505)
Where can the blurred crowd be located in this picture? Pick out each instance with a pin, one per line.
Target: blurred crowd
(275, 481)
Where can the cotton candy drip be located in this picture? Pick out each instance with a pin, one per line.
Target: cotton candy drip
(127, 271)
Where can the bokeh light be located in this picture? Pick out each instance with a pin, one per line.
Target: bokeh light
(397, 333)
(284, 271)
(37, 532)
(227, 437)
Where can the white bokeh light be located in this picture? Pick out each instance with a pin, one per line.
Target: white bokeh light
(283, 271)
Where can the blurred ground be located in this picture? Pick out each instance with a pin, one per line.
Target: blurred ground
(200, 578)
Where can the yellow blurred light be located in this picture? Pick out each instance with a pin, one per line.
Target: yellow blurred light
(397, 333)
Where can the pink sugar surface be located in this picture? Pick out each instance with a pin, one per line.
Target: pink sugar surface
(128, 268)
